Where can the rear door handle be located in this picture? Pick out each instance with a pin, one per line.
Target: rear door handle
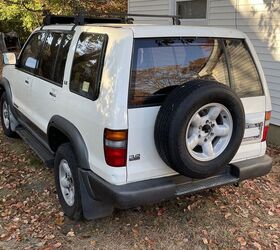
(26, 81)
(52, 94)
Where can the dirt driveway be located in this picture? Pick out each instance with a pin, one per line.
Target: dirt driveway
(246, 217)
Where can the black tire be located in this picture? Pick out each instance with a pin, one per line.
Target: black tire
(65, 152)
(7, 130)
(175, 115)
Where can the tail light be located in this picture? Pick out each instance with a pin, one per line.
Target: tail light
(115, 147)
(266, 125)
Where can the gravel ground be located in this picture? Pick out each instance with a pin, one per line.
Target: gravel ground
(244, 217)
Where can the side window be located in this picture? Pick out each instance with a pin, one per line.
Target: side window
(159, 65)
(61, 59)
(49, 55)
(87, 65)
(29, 57)
(245, 79)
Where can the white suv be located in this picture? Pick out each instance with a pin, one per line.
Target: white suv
(133, 114)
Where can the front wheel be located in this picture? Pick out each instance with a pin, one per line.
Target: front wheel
(6, 117)
(67, 181)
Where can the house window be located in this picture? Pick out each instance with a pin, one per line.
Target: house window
(191, 9)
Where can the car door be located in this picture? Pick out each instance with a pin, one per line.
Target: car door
(22, 80)
(47, 87)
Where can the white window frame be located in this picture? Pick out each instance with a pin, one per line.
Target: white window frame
(190, 21)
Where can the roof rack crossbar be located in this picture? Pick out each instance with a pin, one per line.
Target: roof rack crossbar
(175, 19)
(81, 19)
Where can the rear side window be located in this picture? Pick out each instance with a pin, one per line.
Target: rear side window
(87, 65)
(159, 65)
(29, 57)
(245, 79)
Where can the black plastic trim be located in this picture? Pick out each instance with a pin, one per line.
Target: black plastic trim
(4, 83)
(252, 168)
(156, 190)
(75, 137)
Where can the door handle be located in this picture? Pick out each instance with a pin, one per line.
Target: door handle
(52, 94)
(26, 81)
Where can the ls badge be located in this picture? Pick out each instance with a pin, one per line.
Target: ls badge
(134, 157)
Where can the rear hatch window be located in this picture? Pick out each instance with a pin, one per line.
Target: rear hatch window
(161, 64)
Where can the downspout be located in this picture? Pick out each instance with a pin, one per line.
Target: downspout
(236, 12)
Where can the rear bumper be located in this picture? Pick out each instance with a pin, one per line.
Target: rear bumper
(156, 190)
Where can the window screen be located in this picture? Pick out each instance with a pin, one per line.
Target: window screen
(192, 9)
(87, 65)
(29, 56)
(164, 63)
(245, 79)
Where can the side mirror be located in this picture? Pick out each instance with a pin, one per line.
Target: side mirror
(9, 58)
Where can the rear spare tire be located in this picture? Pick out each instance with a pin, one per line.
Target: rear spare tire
(199, 128)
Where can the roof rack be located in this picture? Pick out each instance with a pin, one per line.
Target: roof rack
(81, 19)
(175, 19)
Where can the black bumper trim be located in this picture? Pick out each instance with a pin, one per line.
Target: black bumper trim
(252, 168)
(156, 190)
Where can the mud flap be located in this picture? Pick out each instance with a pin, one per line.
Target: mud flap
(92, 209)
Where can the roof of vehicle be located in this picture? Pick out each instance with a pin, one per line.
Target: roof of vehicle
(150, 30)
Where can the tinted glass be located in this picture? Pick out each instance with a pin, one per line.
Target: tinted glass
(192, 9)
(61, 59)
(49, 55)
(245, 79)
(29, 56)
(159, 65)
(86, 69)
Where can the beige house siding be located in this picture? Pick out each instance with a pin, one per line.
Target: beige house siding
(159, 7)
(259, 19)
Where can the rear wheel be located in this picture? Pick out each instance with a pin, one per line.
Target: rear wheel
(67, 181)
(6, 117)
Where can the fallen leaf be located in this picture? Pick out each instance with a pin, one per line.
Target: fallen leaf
(57, 245)
(227, 215)
(93, 242)
(242, 241)
(70, 234)
(205, 241)
(256, 219)
(257, 245)
(135, 232)
(270, 213)
(59, 220)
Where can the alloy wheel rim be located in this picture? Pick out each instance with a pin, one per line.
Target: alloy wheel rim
(66, 182)
(209, 132)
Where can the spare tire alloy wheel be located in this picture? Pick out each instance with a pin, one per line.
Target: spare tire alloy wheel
(199, 128)
(208, 135)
